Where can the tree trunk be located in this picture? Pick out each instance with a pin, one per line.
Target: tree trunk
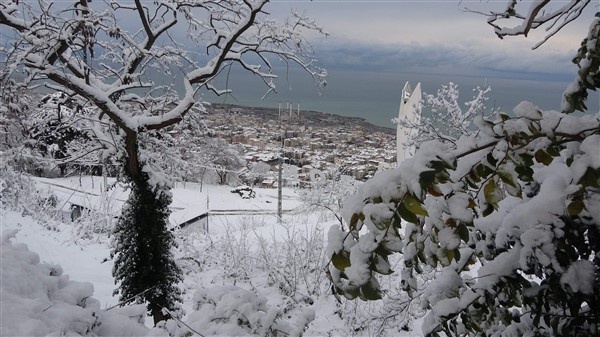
(132, 165)
(157, 314)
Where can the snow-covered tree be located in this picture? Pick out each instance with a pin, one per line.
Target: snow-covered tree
(140, 65)
(258, 171)
(449, 118)
(13, 107)
(222, 158)
(330, 194)
(57, 133)
(510, 218)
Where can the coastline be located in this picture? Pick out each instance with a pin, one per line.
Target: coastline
(309, 117)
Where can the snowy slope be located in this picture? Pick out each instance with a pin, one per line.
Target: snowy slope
(281, 263)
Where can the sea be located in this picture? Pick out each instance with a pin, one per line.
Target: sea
(375, 96)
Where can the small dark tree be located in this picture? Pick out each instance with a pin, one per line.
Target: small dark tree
(144, 264)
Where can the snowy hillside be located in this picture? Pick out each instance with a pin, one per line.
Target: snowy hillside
(247, 268)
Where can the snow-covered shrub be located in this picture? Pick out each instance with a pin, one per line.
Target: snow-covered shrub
(39, 300)
(234, 311)
(237, 251)
(395, 314)
(287, 267)
(92, 225)
(509, 217)
(295, 261)
(19, 193)
(246, 192)
(291, 258)
(329, 194)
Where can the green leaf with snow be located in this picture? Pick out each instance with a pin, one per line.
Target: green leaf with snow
(543, 157)
(512, 187)
(591, 178)
(370, 292)
(490, 158)
(463, 232)
(426, 178)
(507, 178)
(381, 224)
(492, 193)
(553, 151)
(381, 265)
(483, 170)
(341, 261)
(414, 205)
(575, 207)
(488, 210)
(354, 220)
(351, 292)
(406, 214)
(434, 190)
(525, 173)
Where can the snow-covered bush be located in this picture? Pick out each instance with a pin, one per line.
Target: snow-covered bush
(329, 194)
(93, 225)
(246, 192)
(237, 250)
(234, 311)
(510, 217)
(39, 300)
(285, 267)
(19, 193)
(292, 259)
(295, 262)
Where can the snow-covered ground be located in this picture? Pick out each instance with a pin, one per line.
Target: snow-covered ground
(189, 199)
(246, 251)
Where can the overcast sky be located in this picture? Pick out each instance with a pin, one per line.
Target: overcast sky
(431, 36)
(374, 47)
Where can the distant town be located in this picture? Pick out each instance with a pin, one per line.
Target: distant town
(312, 141)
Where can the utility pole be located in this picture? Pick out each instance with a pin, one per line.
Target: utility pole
(207, 212)
(279, 181)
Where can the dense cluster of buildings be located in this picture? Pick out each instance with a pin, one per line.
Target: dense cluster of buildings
(316, 143)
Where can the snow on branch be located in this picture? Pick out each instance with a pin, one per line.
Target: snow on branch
(540, 13)
(105, 52)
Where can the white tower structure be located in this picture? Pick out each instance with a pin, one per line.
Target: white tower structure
(410, 110)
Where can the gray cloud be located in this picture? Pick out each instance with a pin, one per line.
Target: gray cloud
(432, 36)
(447, 60)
